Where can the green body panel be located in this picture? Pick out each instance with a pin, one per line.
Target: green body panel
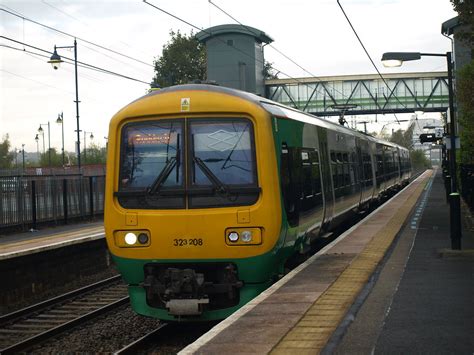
(292, 133)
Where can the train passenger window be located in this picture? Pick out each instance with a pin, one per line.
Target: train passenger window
(311, 180)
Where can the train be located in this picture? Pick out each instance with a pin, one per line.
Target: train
(210, 191)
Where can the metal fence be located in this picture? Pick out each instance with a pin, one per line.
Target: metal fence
(29, 200)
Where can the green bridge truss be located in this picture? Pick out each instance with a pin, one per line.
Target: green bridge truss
(363, 94)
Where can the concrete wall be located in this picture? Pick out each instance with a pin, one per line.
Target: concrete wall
(31, 278)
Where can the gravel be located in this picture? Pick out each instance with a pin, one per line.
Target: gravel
(105, 334)
(117, 329)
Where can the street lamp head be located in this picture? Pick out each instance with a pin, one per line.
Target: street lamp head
(55, 59)
(396, 59)
(40, 129)
(36, 138)
(59, 119)
(91, 136)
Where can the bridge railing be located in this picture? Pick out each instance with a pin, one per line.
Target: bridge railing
(27, 200)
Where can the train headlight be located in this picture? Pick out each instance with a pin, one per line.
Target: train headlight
(249, 236)
(143, 238)
(246, 236)
(130, 238)
(233, 237)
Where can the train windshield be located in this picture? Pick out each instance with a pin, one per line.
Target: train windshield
(222, 161)
(216, 155)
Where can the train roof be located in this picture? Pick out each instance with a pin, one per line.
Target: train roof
(273, 108)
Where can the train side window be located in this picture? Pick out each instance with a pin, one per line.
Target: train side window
(334, 170)
(311, 180)
(290, 174)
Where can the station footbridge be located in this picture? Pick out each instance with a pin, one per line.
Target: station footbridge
(363, 94)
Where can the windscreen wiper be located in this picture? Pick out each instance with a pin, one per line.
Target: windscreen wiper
(160, 179)
(170, 165)
(218, 184)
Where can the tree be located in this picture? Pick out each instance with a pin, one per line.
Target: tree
(465, 97)
(269, 72)
(465, 78)
(6, 157)
(95, 154)
(183, 59)
(404, 138)
(465, 10)
(419, 161)
(56, 158)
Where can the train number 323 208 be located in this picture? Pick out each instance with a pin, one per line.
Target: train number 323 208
(195, 242)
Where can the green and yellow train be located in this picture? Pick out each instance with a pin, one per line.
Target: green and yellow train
(210, 191)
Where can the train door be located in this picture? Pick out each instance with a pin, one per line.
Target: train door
(328, 189)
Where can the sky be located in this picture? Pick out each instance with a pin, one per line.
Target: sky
(314, 33)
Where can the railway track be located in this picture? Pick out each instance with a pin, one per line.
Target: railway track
(167, 338)
(32, 325)
(144, 342)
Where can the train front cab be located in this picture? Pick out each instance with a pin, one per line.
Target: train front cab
(202, 220)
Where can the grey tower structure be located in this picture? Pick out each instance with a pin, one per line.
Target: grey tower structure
(235, 56)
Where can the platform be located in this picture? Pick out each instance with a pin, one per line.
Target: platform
(389, 284)
(33, 242)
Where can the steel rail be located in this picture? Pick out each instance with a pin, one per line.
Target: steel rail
(24, 344)
(64, 297)
(133, 348)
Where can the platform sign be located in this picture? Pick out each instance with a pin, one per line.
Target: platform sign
(439, 132)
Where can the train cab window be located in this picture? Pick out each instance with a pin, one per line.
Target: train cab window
(222, 163)
(150, 165)
(219, 163)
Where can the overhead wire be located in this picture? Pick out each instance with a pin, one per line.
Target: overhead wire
(219, 39)
(35, 55)
(73, 36)
(272, 46)
(86, 65)
(370, 58)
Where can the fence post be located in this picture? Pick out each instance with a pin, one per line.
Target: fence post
(91, 197)
(33, 202)
(65, 200)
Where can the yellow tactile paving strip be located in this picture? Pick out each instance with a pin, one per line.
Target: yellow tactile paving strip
(41, 243)
(312, 332)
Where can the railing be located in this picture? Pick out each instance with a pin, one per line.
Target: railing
(26, 200)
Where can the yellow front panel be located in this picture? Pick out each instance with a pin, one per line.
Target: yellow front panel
(196, 233)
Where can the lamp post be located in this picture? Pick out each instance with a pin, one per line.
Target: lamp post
(55, 61)
(23, 156)
(85, 145)
(40, 130)
(61, 122)
(37, 147)
(394, 59)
